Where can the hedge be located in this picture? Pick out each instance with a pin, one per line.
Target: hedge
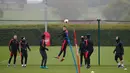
(33, 35)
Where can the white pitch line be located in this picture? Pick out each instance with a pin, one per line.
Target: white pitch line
(7, 60)
(17, 58)
(3, 61)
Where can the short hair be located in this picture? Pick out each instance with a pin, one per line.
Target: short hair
(117, 38)
(88, 36)
(15, 35)
(82, 36)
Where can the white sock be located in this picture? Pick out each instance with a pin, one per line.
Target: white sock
(24, 64)
(8, 64)
(122, 65)
(119, 63)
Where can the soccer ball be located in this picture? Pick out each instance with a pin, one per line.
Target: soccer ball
(92, 71)
(66, 20)
(125, 68)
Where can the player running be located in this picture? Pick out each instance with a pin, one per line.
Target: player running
(119, 52)
(24, 54)
(13, 48)
(43, 52)
(64, 35)
(82, 50)
(89, 48)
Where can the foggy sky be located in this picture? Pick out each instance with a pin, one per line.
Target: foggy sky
(74, 9)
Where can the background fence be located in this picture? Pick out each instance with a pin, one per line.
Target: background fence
(33, 29)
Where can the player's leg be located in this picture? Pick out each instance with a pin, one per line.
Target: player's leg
(85, 57)
(42, 54)
(121, 61)
(64, 50)
(11, 55)
(81, 58)
(88, 59)
(15, 56)
(116, 59)
(64, 53)
(45, 60)
(22, 55)
(59, 54)
(26, 58)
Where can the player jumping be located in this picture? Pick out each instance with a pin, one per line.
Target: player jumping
(13, 48)
(119, 52)
(43, 52)
(64, 34)
(24, 45)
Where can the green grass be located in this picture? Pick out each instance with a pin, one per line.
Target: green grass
(70, 26)
(108, 64)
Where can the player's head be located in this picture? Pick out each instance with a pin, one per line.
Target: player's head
(23, 38)
(117, 39)
(43, 36)
(88, 36)
(85, 37)
(64, 28)
(15, 37)
(82, 38)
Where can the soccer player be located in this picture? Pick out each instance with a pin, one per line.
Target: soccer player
(64, 35)
(82, 50)
(89, 48)
(24, 54)
(13, 48)
(43, 52)
(119, 52)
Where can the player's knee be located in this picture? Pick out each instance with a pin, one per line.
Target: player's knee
(15, 59)
(121, 59)
(115, 59)
(26, 56)
(45, 57)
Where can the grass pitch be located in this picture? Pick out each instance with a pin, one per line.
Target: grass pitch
(108, 64)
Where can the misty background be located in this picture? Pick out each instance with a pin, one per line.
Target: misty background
(61, 9)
